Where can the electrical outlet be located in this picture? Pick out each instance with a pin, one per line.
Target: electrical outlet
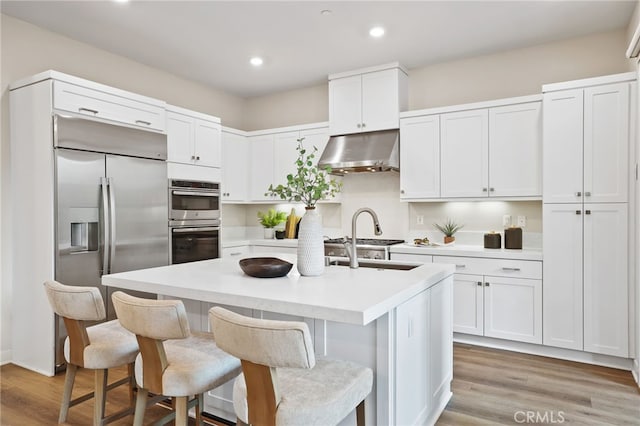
(420, 219)
(506, 220)
(522, 221)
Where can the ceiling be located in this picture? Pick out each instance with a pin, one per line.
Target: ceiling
(211, 42)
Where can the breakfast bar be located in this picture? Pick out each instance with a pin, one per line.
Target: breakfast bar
(393, 318)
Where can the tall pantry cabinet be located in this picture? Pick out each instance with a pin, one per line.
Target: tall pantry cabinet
(586, 156)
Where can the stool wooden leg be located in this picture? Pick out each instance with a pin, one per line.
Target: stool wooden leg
(199, 409)
(100, 396)
(132, 383)
(240, 422)
(360, 414)
(69, 379)
(182, 415)
(141, 406)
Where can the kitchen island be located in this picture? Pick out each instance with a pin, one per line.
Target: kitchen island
(397, 322)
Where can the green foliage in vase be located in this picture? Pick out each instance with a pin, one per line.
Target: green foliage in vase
(272, 218)
(308, 184)
(448, 228)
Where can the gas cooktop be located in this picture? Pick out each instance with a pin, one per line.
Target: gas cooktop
(365, 241)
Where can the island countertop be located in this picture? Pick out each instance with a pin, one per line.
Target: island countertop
(355, 296)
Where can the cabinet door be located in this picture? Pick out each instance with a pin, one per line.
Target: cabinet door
(261, 167)
(420, 157)
(380, 105)
(285, 156)
(207, 143)
(180, 130)
(606, 143)
(235, 155)
(513, 309)
(345, 105)
(315, 138)
(515, 150)
(464, 154)
(606, 284)
(468, 304)
(562, 136)
(562, 271)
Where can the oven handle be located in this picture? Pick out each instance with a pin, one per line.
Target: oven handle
(211, 228)
(198, 193)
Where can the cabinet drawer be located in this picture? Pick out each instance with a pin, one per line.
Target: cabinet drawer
(108, 106)
(410, 257)
(494, 267)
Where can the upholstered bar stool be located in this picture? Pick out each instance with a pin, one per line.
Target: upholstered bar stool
(282, 383)
(173, 361)
(98, 347)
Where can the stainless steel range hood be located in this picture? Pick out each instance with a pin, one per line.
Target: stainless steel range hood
(362, 152)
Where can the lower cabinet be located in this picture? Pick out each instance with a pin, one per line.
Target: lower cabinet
(505, 305)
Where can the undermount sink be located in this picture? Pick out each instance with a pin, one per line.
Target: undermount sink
(375, 265)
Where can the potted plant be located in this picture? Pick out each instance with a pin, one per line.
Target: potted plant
(308, 185)
(270, 220)
(448, 228)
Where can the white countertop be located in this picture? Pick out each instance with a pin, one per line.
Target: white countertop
(356, 296)
(469, 251)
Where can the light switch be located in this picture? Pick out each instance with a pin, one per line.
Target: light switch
(506, 220)
(522, 221)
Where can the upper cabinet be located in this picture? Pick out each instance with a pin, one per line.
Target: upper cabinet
(193, 138)
(586, 143)
(489, 149)
(367, 100)
(235, 176)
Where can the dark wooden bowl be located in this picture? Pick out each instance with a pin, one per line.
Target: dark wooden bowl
(265, 267)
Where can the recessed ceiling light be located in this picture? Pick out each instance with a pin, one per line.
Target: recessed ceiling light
(326, 12)
(256, 61)
(121, 1)
(376, 32)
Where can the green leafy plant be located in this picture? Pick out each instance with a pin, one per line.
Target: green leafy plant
(308, 184)
(272, 218)
(448, 228)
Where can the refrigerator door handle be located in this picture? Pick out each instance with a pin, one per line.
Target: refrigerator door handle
(105, 223)
(112, 223)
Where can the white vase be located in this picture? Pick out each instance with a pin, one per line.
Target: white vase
(310, 244)
(269, 233)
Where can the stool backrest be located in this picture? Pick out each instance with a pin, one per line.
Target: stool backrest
(265, 342)
(75, 302)
(152, 321)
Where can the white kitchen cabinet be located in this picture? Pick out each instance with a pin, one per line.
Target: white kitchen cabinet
(586, 277)
(96, 100)
(410, 257)
(586, 144)
(492, 152)
(420, 157)
(261, 166)
(500, 298)
(284, 156)
(367, 100)
(237, 251)
(273, 249)
(515, 150)
(235, 176)
(193, 138)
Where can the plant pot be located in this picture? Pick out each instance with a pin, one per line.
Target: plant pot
(268, 233)
(310, 244)
(448, 240)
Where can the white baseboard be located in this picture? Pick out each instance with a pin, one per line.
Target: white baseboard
(548, 351)
(636, 371)
(5, 357)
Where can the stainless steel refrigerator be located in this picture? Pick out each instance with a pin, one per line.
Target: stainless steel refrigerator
(111, 204)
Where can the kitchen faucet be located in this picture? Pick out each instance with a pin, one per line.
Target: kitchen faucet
(350, 246)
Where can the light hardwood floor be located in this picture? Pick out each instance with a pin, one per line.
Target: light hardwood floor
(490, 387)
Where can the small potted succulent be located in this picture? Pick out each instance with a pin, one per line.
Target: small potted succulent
(270, 220)
(448, 228)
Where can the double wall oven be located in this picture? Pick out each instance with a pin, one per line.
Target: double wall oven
(194, 220)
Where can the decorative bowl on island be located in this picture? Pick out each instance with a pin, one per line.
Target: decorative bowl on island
(265, 267)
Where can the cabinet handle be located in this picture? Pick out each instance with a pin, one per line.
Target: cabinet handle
(193, 157)
(578, 194)
(146, 123)
(484, 189)
(92, 111)
(587, 212)
(237, 253)
(198, 157)
(587, 194)
(510, 269)
(364, 125)
(578, 212)
(402, 191)
(480, 283)
(487, 284)
(359, 125)
(460, 266)
(491, 189)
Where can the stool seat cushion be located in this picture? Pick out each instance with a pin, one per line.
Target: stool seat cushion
(322, 395)
(195, 365)
(110, 346)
